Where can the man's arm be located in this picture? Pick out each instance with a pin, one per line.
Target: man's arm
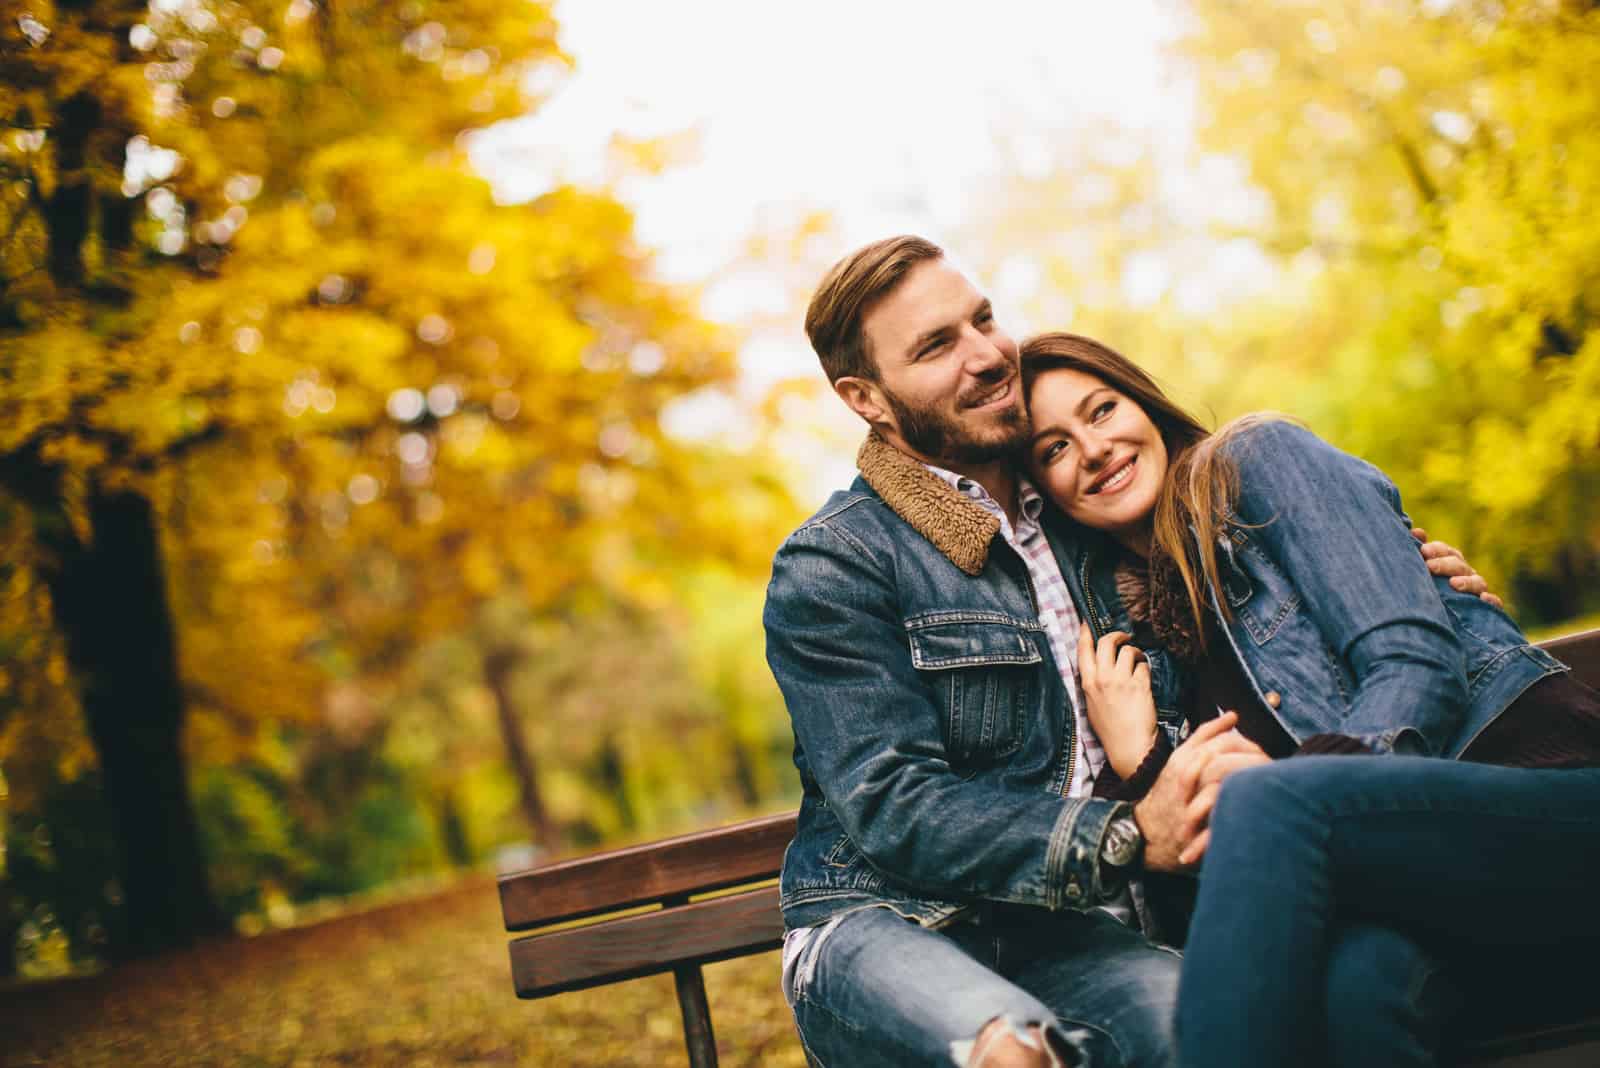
(870, 731)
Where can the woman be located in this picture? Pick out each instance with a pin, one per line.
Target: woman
(1265, 572)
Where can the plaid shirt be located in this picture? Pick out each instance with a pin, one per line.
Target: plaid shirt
(1057, 614)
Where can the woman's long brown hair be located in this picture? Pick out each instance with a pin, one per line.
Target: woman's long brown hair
(1201, 483)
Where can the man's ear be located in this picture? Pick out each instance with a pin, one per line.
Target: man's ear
(865, 398)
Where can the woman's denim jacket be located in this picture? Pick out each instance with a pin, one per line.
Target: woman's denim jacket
(933, 731)
(1331, 610)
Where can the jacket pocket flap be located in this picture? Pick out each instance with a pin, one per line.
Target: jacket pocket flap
(939, 643)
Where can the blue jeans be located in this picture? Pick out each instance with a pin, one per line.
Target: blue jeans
(876, 989)
(1439, 861)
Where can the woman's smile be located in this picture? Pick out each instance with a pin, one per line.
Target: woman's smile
(1117, 476)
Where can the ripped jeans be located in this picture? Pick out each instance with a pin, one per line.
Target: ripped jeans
(871, 988)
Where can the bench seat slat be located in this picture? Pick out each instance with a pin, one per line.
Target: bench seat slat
(640, 875)
(651, 942)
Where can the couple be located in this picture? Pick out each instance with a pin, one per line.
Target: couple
(1006, 651)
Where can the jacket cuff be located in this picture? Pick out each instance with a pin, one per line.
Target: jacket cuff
(1072, 861)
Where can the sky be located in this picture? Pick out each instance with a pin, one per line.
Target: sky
(881, 113)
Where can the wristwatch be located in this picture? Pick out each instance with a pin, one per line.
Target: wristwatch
(1121, 847)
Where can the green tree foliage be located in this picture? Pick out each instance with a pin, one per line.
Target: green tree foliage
(285, 392)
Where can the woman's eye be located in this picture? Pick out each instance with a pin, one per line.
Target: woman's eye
(1052, 452)
(1103, 409)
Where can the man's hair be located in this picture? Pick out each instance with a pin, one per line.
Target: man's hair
(847, 293)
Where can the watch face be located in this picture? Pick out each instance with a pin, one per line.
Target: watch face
(1121, 843)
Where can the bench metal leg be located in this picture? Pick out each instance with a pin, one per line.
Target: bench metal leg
(696, 1017)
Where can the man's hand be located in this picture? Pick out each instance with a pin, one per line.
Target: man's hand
(1446, 561)
(1116, 686)
(1175, 811)
(1196, 826)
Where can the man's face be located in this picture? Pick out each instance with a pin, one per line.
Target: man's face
(948, 375)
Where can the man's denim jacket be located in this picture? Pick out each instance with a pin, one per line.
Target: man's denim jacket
(1331, 609)
(933, 732)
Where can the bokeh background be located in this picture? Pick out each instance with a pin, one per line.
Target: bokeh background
(400, 402)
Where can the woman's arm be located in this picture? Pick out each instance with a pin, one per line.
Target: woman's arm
(1334, 526)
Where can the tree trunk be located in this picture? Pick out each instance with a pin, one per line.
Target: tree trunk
(453, 830)
(67, 213)
(10, 923)
(497, 665)
(110, 602)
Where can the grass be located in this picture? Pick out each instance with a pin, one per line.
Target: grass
(421, 983)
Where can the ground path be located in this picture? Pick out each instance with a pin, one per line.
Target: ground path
(421, 983)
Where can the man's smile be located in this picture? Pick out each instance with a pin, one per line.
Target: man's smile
(998, 397)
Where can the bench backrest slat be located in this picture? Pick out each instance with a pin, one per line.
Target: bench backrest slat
(1581, 652)
(650, 942)
(640, 875)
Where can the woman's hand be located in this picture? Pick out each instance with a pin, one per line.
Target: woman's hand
(1116, 684)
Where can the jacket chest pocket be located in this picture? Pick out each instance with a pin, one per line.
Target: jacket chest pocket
(984, 671)
(1258, 593)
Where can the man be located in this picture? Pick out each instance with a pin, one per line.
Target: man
(954, 894)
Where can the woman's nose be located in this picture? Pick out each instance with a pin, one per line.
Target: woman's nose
(1096, 449)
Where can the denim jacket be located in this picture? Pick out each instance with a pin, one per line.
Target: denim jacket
(1331, 610)
(933, 732)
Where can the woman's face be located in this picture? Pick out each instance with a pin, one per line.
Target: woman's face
(1096, 454)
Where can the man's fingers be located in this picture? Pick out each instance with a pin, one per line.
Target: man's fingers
(1492, 599)
(1198, 810)
(1449, 566)
(1419, 534)
(1129, 657)
(1220, 767)
(1436, 550)
(1195, 849)
(1474, 584)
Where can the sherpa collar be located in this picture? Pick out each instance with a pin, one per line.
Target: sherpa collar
(958, 526)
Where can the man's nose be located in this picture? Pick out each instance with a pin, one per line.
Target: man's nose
(984, 357)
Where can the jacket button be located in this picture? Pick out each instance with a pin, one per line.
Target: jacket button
(1074, 891)
(1273, 700)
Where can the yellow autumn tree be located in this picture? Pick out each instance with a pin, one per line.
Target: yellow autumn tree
(284, 390)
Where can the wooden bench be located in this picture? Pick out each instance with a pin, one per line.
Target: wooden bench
(668, 922)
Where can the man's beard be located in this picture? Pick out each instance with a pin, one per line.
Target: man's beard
(935, 434)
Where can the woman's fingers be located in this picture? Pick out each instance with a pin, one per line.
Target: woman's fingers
(1106, 651)
(1211, 728)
